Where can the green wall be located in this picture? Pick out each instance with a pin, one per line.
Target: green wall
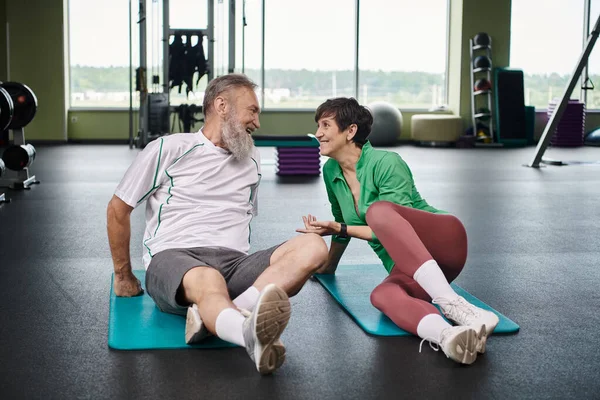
(114, 124)
(36, 59)
(107, 125)
(2, 40)
(467, 18)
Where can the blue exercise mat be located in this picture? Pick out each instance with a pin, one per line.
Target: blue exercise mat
(135, 323)
(351, 286)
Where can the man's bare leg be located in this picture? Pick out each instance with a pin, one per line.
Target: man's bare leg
(294, 262)
(206, 288)
(291, 264)
(259, 332)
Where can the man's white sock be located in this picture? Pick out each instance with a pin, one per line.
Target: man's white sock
(229, 326)
(433, 281)
(248, 299)
(431, 326)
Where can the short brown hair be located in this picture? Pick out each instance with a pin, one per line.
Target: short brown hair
(223, 84)
(346, 111)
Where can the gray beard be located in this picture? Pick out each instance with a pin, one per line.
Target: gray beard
(239, 143)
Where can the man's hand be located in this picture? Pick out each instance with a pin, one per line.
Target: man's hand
(127, 285)
(322, 228)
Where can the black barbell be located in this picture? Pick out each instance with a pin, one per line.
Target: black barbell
(18, 105)
(20, 157)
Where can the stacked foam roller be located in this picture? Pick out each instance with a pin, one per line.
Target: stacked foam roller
(570, 131)
(298, 161)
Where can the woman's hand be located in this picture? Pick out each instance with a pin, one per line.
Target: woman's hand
(322, 228)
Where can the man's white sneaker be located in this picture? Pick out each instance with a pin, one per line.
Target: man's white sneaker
(263, 328)
(278, 344)
(461, 312)
(195, 330)
(459, 343)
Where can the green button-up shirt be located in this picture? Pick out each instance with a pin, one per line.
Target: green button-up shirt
(383, 175)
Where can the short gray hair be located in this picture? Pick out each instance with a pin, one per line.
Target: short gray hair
(223, 84)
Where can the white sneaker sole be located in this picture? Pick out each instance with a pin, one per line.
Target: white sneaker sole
(273, 316)
(463, 347)
(482, 340)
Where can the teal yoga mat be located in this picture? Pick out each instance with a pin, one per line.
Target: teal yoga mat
(135, 323)
(351, 286)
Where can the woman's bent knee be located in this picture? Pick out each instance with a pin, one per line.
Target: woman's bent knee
(378, 211)
(378, 296)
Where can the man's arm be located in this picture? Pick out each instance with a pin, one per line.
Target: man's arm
(119, 234)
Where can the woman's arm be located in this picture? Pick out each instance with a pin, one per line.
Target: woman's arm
(336, 250)
(327, 228)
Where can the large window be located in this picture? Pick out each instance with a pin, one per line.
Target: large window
(99, 53)
(309, 52)
(99, 48)
(191, 14)
(546, 41)
(403, 52)
(299, 52)
(249, 25)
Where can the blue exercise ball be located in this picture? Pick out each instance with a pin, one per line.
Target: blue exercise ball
(387, 124)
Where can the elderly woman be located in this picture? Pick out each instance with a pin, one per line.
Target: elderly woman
(374, 198)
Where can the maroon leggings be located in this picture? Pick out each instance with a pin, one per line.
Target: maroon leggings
(412, 237)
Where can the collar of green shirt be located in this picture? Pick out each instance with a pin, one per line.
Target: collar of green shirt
(364, 155)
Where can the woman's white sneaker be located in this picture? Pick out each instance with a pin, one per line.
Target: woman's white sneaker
(461, 312)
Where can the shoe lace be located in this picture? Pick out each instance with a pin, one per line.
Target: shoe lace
(244, 312)
(432, 344)
(457, 309)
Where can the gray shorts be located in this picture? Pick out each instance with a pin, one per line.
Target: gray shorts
(167, 268)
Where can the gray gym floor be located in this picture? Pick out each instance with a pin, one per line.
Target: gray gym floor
(533, 256)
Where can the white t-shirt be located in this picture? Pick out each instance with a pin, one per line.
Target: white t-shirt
(197, 194)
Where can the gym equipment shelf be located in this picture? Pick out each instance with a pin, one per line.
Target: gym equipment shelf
(482, 119)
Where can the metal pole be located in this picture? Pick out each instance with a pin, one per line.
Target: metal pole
(166, 36)
(447, 60)
(244, 37)
(7, 51)
(130, 78)
(211, 40)
(262, 62)
(558, 112)
(586, 32)
(231, 36)
(356, 42)
(472, 89)
(143, 80)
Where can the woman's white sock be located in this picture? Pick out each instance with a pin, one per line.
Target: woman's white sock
(431, 278)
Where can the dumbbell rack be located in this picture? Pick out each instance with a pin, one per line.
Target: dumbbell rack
(2, 171)
(478, 118)
(18, 179)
